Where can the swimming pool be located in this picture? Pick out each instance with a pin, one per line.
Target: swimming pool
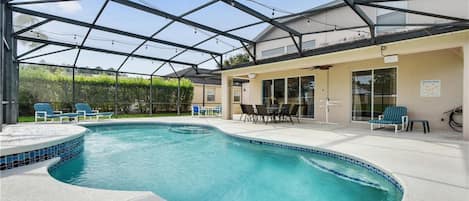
(199, 163)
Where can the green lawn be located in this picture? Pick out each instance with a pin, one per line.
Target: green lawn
(120, 116)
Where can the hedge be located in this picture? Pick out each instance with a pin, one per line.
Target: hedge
(54, 85)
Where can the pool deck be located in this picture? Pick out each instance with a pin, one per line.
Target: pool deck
(433, 167)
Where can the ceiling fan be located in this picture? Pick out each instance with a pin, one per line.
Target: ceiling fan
(323, 67)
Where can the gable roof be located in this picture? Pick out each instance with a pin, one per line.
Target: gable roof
(316, 10)
(202, 76)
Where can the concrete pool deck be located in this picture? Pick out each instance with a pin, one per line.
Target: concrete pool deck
(432, 167)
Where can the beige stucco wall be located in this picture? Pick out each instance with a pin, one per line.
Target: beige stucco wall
(255, 87)
(437, 57)
(445, 65)
(199, 97)
(465, 90)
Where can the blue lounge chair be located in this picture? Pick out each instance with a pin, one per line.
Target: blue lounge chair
(84, 110)
(393, 116)
(44, 111)
(197, 110)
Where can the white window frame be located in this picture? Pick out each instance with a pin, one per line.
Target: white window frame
(303, 46)
(285, 49)
(372, 90)
(240, 95)
(286, 91)
(314, 46)
(263, 52)
(208, 94)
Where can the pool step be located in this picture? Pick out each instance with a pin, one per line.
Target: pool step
(189, 130)
(339, 174)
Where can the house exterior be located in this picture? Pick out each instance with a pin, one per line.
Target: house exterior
(207, 88)
(426, 70)
(341, 16)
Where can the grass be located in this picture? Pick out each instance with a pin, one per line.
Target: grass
(120, 116)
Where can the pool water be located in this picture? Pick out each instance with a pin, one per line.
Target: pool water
(209, 165)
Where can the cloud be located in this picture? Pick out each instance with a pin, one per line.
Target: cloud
(70, 6)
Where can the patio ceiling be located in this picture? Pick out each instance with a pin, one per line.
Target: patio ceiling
(192, 34)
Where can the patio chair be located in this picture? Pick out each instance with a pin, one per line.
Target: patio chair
(394, 116)
(263, 113)
(275, 105)
(244, 112)
(197, 110)
(294, 113)
(84, 109)
(284, 111)
(45, 111)
(250, 113)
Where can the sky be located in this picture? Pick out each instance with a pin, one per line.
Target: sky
(219, 15)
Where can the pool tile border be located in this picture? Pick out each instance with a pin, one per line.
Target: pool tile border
(66, 151)
(334, 155)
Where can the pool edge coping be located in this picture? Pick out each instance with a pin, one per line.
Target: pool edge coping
(40, 145)
(43, 167)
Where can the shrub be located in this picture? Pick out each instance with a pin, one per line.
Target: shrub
(55, 85)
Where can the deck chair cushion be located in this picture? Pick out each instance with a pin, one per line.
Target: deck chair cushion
(45, 107)
(89, 112)
(391, 115)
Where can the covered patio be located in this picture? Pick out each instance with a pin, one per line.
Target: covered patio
(441, 56)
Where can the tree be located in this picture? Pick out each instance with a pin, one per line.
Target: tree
(236, 59)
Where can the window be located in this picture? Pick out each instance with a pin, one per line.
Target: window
(391, 17)
(267, 92)
(384, 90)
(361, 95)
(372, 92)
(307, 45)
(307, 96)
(211, 95)
(293, 90)
(273, 52)
(279, 91)
(291, 49)
(237, 95)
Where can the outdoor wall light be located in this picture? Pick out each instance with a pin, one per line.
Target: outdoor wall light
(251, 75)
(391, 59)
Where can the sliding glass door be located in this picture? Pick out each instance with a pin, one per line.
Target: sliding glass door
(372, 92)
(384, 90)
(361, 95)
(267, 92)
(279, 91)
(307, 97)
(293, 90)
